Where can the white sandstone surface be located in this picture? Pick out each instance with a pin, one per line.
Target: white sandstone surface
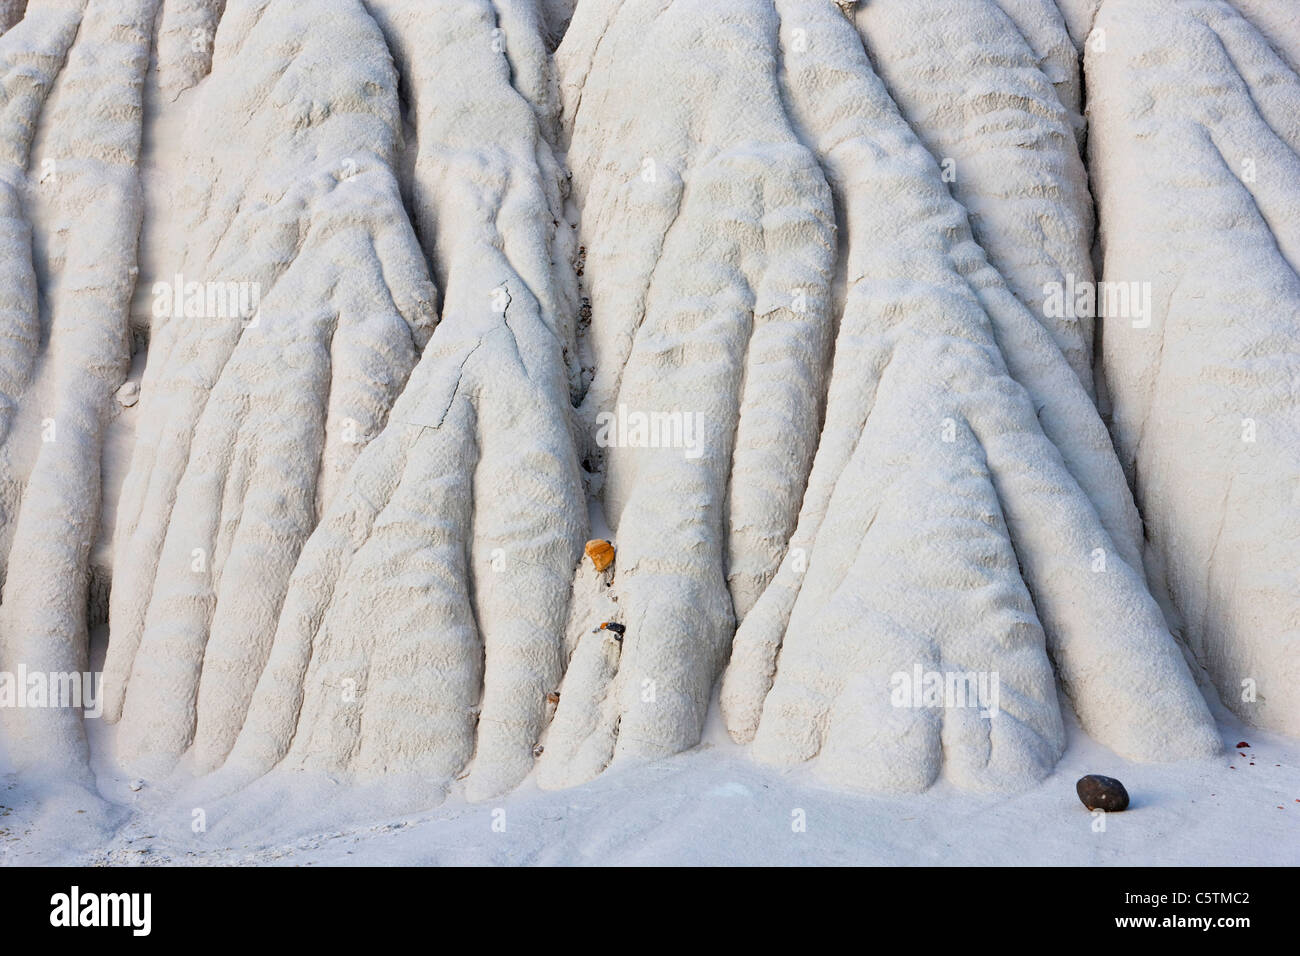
(1206, 400)
(325, 329)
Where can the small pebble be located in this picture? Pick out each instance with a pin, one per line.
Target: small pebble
(1102, 793)
(601, 553)
(128, 394)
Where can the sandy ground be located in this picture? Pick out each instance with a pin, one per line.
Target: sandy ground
(710, 805)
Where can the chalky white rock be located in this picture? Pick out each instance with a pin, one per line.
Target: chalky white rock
(315, 315)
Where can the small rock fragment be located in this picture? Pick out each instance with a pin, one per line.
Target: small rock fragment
(1241, 744)
(618, 630)
(135, 784)
(1102, 793)
(128, 394)
(601, 553)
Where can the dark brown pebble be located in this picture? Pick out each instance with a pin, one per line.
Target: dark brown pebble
(1102, 793)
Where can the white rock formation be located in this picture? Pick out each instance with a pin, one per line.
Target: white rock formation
(438, 581)
(993, 92)
(1205, 389)
(710, 243)
(71, 271)
(934, 435)
(250, 416)
(382, 293)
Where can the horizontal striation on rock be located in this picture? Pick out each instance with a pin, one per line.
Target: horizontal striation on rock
(936, 418)
(68, 274)
(994, 95)
(1196, 139)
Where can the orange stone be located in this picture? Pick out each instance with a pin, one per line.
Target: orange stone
(601, 553)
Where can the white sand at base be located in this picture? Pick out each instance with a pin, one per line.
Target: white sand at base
(712, 805)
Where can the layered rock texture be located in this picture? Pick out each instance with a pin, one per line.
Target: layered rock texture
(1205, 390)
(898, 348)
